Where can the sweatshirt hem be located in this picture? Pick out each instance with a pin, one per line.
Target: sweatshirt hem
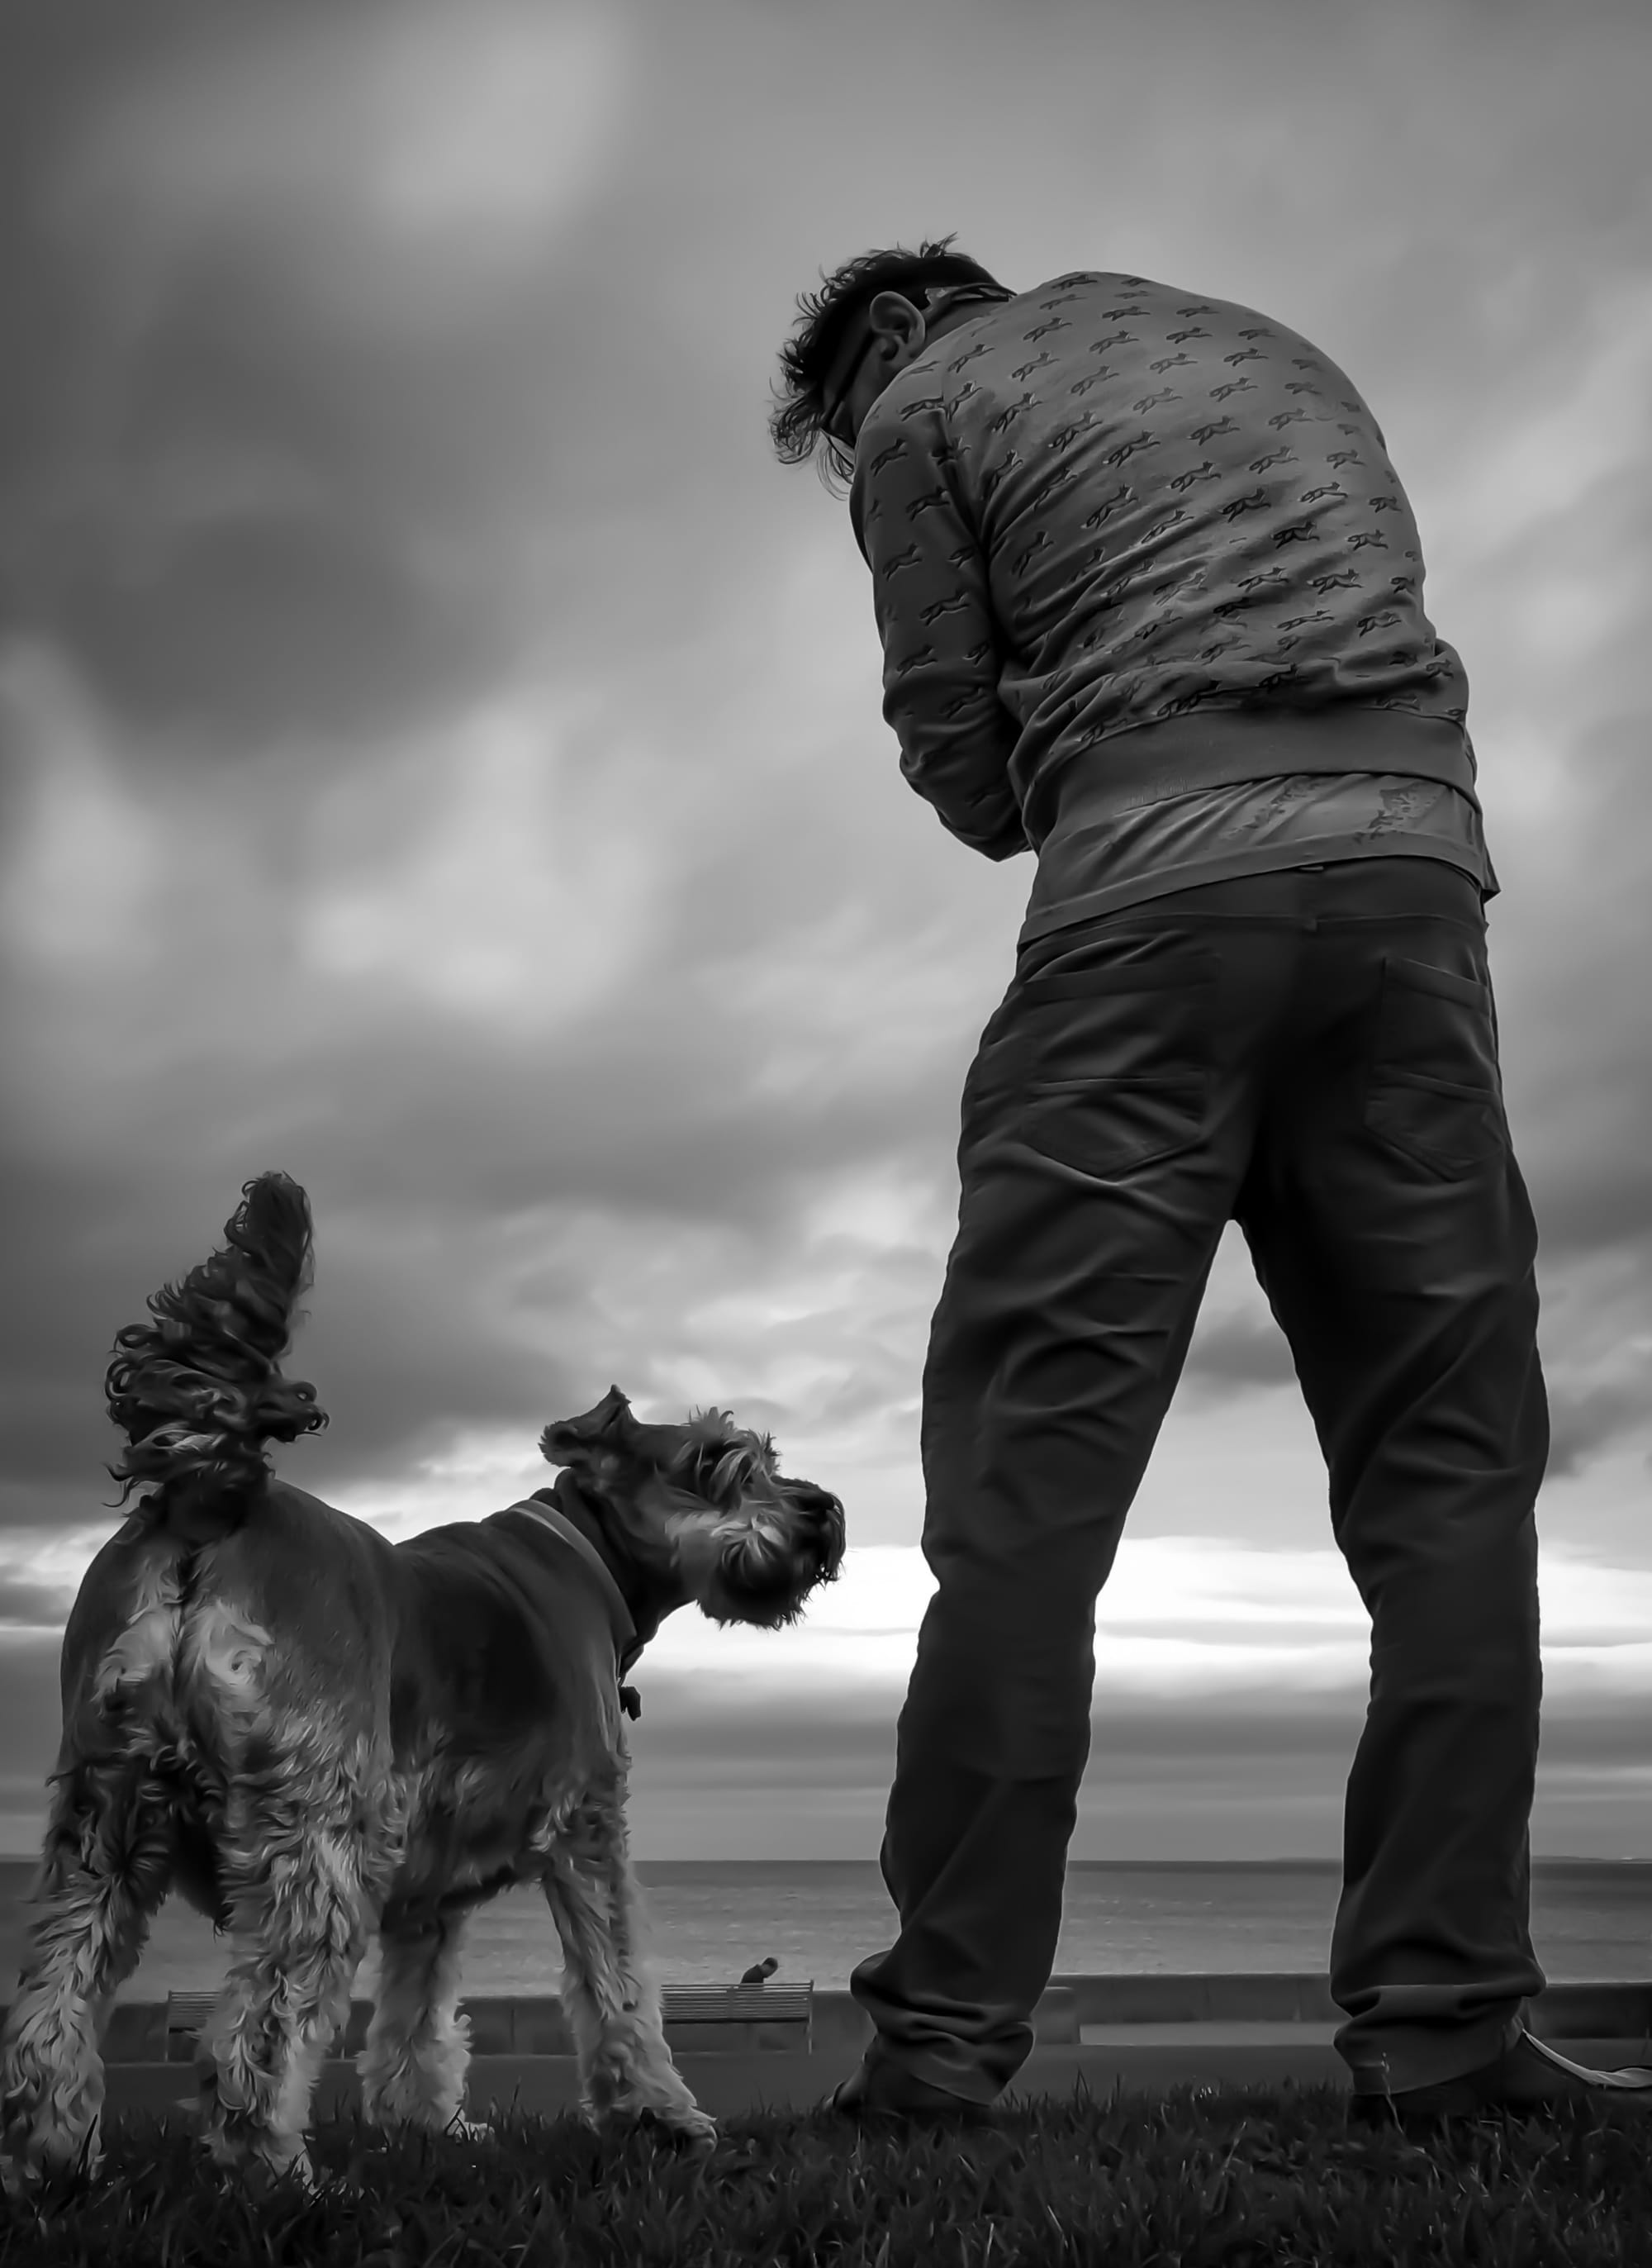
(1180, 755)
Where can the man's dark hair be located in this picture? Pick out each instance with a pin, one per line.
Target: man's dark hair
(795, 422)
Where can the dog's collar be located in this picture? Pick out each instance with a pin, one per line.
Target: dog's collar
(626, 1648)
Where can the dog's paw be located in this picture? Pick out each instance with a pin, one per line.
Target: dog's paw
(260, 2166)
(688, 2130)
(468, 2130)
(683, 2124)
(301, 2172)
(26, 2174)
(700, 2144)
(745, 2157)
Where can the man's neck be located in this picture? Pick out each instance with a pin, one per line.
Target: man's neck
(953, 319)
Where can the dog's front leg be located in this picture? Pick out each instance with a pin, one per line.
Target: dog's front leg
(612, 2000)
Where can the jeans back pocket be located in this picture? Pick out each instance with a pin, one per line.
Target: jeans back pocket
(1432, 1089)
(1101, 1068)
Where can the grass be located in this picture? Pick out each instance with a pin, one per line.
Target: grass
(1241, 2178)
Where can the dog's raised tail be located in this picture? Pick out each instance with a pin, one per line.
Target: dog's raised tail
(198, 1391)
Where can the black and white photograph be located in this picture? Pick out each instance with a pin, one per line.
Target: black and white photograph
(825, 1101)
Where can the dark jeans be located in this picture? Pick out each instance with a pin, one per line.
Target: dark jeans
(1313, 1054)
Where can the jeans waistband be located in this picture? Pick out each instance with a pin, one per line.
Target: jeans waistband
(1344, 890)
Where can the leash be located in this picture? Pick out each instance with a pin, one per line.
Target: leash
(626, 1648)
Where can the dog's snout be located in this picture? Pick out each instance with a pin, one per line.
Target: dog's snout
(822, 1506)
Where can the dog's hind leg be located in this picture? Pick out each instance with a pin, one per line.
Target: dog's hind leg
(609, 1993)
(417, 2050)
(304, 1874)
(104, 1871)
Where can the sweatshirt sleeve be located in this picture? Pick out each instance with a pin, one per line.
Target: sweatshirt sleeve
(930, 598)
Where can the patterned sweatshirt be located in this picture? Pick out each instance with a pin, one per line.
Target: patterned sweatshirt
(1131, 548)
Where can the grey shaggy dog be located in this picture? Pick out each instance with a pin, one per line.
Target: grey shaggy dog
(315, 1735)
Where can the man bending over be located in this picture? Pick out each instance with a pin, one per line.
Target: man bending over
(1150, 599)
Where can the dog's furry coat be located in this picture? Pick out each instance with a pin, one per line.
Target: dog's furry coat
(315, 1735)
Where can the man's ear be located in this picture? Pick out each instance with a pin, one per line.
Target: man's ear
(896, 322)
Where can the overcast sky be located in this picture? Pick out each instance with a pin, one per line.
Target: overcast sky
(440, 756)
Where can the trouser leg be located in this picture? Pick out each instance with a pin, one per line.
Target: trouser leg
(1391, 1232)
(1102, 1148)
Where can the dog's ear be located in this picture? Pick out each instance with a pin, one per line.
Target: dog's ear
(572, 1440)
(608, 1430)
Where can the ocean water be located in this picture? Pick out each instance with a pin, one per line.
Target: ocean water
(711, 1919)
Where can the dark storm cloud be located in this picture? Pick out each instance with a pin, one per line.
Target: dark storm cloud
(286, 454)
(411, 1346)
(193, 517)
(437, 1146)
(289, 483)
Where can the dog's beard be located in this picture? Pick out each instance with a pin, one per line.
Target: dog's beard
(771, 1560)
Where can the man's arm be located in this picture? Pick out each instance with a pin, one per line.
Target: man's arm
(932, 603)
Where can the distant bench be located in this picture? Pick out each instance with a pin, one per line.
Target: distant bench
(187, 2014)
(718, 2018)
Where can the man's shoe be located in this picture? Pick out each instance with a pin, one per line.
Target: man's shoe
(1529, 2078)
(884, 2092)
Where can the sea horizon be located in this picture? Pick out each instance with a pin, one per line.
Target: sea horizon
(708, 1919)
